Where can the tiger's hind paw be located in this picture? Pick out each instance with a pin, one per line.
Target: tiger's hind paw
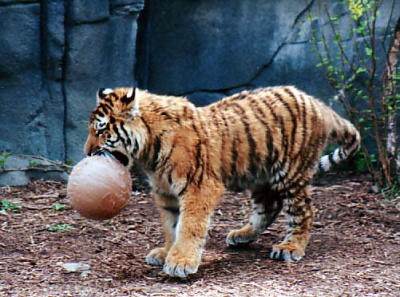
(156, 257)
(287, 252)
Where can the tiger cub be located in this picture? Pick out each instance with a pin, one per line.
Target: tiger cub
(267, 141)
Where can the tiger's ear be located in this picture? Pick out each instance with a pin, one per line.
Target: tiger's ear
(129, 97)
(102, 93)
(131, 102)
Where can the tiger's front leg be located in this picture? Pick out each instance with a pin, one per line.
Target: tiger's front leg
(168, 207)
(196, 207)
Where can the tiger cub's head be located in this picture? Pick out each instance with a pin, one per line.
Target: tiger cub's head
(111, 122)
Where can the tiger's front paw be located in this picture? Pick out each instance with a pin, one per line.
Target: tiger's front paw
(157, 256)
(287, 252)
(178, 265)
(241, 236)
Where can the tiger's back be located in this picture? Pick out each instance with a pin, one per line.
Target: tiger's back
(272, 135)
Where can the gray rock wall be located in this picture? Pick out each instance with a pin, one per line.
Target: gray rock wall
(209, 49)
(54, 56)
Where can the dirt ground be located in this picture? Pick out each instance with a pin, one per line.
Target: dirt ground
(354, 249)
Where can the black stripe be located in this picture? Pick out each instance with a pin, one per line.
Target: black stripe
(146, 125)
(270, 108)
(253, 157)
(109, 101)
(170, 177)
(312, 158)
(285, 145)
(190, 175)
(99, 113)
(293, 96)
(225, 135)
(126, 100)
(128, 139)
(309, 157)
(275, 153)
(106, 108)
(164, 161)
(173, 210)
(136, 148)
(352, 142)
(216, 124)
(188, 113)
(198, 158)
(234, 156)
(268, 135)
(320, 168)
(305, 129)
(330, 157)
(115, 129)
(166, 115)
(303, 140)
(188, 181)
(293, 118)
(205, 166)
(146, 151)
(156, 152)
(341, 155)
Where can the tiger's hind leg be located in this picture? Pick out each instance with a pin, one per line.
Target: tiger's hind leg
(300, 215)
(168, 208)
(266, 205)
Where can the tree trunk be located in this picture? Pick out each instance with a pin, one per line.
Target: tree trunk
(389, 99)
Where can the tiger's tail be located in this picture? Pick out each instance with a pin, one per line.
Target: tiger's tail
(345, 135)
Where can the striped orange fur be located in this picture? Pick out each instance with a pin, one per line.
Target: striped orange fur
(268, 141)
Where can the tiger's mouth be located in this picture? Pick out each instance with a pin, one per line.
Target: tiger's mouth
(122, 158)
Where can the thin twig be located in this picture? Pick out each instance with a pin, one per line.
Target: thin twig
(33, 169)
(340, 45)
(57, 163)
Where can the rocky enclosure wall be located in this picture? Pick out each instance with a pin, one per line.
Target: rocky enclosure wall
(209, 49)
(54, 55)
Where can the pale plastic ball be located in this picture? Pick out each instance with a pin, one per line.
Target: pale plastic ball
(99, 187)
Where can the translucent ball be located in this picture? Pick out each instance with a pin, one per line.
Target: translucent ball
(99, 187)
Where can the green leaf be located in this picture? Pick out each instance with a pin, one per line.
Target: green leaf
(60, 228)
(3, 159)
(59, 206)
(368, 51)
(360, 164)
(361, 70)
(6, 205)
